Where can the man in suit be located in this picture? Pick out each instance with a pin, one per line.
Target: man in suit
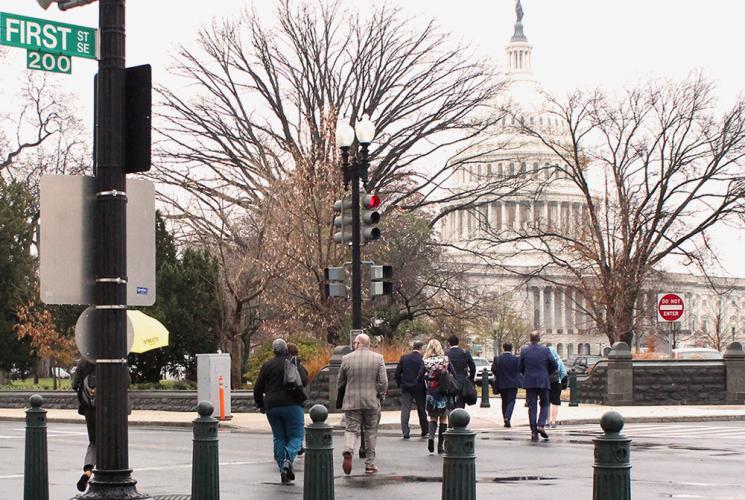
(412, 388)
(506, 370)
(362, 373)
(463, 365)
(536, 364)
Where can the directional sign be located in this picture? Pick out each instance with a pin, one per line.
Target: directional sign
(47, 36)
(670, 307)
(45, 61)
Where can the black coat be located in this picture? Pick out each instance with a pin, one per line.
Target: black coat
(462, 363)
(408, 369)
(506, 370)
(270, 390)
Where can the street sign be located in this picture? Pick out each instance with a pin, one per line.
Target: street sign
(84, 333)
(47, 36)
(46, 61)
(670, 307)
(66, 265)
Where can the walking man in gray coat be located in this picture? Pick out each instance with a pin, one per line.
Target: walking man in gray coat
(363, 376)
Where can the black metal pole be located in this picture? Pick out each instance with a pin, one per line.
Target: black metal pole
(356, 264)
(112, 477)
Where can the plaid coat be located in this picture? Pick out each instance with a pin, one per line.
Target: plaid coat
(364, 375)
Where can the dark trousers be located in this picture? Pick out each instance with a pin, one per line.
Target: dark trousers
(533, 395)
(508, 397)
(90, 452)
(418, 396)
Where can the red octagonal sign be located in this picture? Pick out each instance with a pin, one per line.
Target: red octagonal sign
(670, 306)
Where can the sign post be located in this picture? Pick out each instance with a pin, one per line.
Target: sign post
(670, 309)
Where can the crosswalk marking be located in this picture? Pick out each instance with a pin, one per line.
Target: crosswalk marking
(661, 431)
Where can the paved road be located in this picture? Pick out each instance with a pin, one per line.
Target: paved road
(669, 461)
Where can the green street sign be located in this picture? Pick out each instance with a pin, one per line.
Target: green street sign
(47, 36)
(45, 61)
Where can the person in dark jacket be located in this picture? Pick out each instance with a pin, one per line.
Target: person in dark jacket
(463, 365)
(412, 389)
(506, 370)
(536, 364)
(283, 406)
(84, 384)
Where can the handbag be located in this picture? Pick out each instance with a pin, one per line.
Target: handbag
(449, 385)
(292, 378)
(469, 392)
(554, 377)
(565, 383)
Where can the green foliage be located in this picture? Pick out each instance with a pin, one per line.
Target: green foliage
(16, 270)
(45, 384)
(186, 305)
(165, 385)
(307, 348)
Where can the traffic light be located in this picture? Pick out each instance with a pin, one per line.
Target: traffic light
(369, 216)
(335, 282)
(381, 280)
(343, 220)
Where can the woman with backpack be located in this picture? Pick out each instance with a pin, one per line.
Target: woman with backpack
(84, 384)
(436, 373)
(279, 393)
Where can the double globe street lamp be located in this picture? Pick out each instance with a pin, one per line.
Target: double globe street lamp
(354, 169)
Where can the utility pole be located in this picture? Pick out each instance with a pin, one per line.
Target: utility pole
(112, 478)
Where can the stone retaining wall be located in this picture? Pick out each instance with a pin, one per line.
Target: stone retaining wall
(186, 401)
(665, 382)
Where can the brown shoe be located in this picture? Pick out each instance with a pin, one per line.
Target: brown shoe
(346, 465)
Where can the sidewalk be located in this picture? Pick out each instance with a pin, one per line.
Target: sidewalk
(482, 419)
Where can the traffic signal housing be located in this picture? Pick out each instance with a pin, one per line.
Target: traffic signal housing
(369, 217)
(334, 279)
(381, 280)
(343, 220)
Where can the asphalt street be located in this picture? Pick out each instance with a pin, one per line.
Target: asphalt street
(676, 460)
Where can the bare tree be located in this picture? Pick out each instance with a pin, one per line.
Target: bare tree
(252, 138)
(656, 169)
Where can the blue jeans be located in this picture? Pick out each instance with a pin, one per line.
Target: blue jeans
(533, 395)
(288, 430)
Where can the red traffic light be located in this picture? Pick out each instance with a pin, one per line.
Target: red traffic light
(371, 201)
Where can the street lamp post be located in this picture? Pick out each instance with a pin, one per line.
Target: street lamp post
(354, 169)
(112, 478)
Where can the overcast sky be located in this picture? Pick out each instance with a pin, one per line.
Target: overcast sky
(576, 43)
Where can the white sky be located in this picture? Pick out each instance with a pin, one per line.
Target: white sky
(577, 43)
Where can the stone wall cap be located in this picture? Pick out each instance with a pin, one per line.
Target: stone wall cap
(734, 351)
(620, 350)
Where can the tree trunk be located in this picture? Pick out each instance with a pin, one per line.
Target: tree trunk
(236, 363)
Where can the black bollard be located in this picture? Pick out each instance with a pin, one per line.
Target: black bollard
(485, 389)
(459, 459)
(36, 470)
(318, 473)
(612, 476)
(205, 465)
(573, 388)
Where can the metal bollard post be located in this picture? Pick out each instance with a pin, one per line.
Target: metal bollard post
(318, 474)
(612, 476)
(36, 470)
(459, 459)
(485, 389)
(573, 388)
(205, 465)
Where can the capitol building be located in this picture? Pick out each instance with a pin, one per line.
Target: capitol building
(536, 191)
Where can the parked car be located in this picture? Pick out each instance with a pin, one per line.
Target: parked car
(583, 363)
(695, 353)
(482, 363)
(60, 372)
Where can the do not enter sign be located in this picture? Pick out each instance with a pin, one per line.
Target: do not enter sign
(670, 307)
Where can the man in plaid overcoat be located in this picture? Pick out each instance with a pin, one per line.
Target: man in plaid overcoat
(365, 381)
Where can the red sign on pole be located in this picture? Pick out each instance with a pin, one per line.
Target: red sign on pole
(670, 307)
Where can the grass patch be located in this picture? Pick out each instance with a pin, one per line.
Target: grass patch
(45, 384)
